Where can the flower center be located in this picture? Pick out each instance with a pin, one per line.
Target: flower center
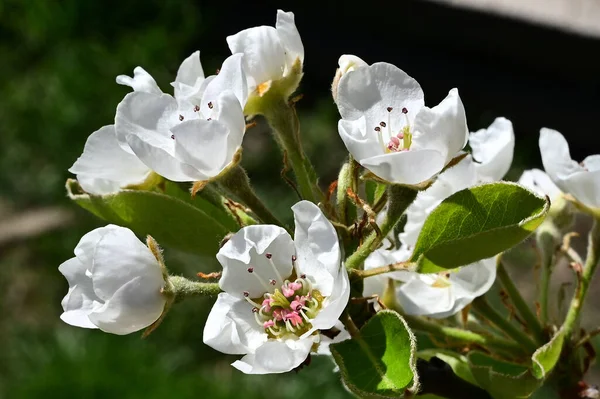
(442, 280)
(290, 308)
(397, 141)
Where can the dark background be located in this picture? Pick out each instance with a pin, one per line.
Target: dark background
(58, 62)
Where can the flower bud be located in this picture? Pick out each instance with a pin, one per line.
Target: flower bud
(115, 283)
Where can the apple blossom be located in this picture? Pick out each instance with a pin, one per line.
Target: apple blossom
(115, 283)
(538, 181)
(278, 293)
(581, 180)
(193, 136)
(388, 129)
(105, 167)
(270, 53)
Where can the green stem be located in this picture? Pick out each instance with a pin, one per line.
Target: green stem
(400, 198)
(346, 180)
(236, 182)
(394, 267)
(284, 121)
(459, 334)
(524, 310)
(546, 243)
(182, 288)
(591, 262)
(483, 308)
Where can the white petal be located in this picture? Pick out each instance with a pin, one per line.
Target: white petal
(361, 142)
(335, 304)
(264, 55)
(458, 177)
(406, 167)
(349, 63)
(418, 297)
(80, 299)
(142, 81)
(569, 176)
(317, 246)
(134, 306)
(231, 78)
(369, 91)
(276, 356)
(474, 280)
(493, 149)
(148, 116)
(556, 157)
(231, 327)
(248, 249)
(202, 144)
(120, 257)
(289, 37)
(442, 128)
(104, 165)
(190, 76)
(163, 162)
(538, 181)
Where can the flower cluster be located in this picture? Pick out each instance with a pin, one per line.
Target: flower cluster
(282, 298)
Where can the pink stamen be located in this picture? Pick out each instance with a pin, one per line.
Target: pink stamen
(268, 323)
(278, 314)
(293, 317)
(266, 303)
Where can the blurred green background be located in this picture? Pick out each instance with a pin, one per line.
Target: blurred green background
(58, 62)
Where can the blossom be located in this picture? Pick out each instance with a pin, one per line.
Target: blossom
(270, 53)
(388, 129)
(581, 180)
(278, 293)
(443, 294)
(493, 149)
(538, 181)
(115, 283)
(193, 136)
(105, 167)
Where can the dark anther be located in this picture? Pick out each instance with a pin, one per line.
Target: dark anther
(404, 111)
(382, 124)
(250, 269)
(180, 117)
(389, 109)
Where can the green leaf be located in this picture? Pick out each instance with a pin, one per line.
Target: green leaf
(171, 221)
(381, 361)
(457, 362)
(477, 223)
(503, 380)
(545, 358)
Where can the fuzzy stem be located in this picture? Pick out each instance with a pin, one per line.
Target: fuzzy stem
(524, 310)
(236, 182)
(284, 121)
(394, 267)
(546, 243)
(346, 180)
(183, 288)
(483, 308)
(400, 198)
(591, 262)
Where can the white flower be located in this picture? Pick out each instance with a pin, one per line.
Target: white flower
(388, 129)
(104, 167)
(269, 53)
(538, 181)
(493, 149)
(446, 293)
(278, 293)
(581, 180)
(193, 136)
(115, 283)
